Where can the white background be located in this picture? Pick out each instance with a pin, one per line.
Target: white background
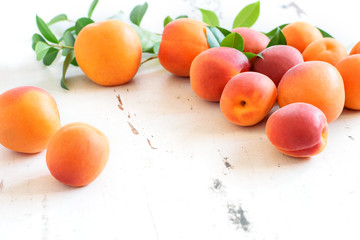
(206, 178)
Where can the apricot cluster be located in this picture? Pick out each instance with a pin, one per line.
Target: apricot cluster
(311, 78)
(30, 123)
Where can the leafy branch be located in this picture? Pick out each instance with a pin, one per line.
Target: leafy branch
(47, 46)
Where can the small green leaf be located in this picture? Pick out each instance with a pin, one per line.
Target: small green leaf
(167, 20)
(92, 7)
(81, 23)
(224, 31)
(250, 55)
(233, 40)
(69, 41)
(74, 62)
(214, 36)
(35, 39)
(182, 16)
(45, 30)
(209, 17)
(41, 49)
(273, 32)
(156, 48)
(58, 18)
(50, 56)
(66, 64)
(247, 16)
(138, 13)
(148, 39)
(277, 39)
(325, 34)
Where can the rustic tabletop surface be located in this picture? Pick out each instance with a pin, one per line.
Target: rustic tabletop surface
(177, 168)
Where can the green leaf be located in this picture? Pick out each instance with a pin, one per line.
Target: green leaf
(66, 64)
(41, 49)
(58, 18)
(45, 30)
(325, 34)
(233, 40)
(247, 16)
(81, 23)
(50, 56)
(167, 20)
(74, 62)
(138, 13)
(69, 41)
(209, 17)
(250, 55)
(148, 39)
(224, 31)
(92, 7)
(182, 16)
(273, 32)
(214, 36)
(35, 39)
(156, 48)
(277, 39)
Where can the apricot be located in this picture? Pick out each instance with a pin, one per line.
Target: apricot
(213, 68)
(298, 130)
(248, 98)
(325, 49)
(182, 40)
(77, 154)
(276, 61)
(300, 34)
(108, 52)
(355, 49)
(349, 69)
(254, 41)
(314, 82)
(29, 117)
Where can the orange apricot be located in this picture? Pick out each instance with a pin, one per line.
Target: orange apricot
(355, 49)
(182, 40)
(248, 98)
(77, 154)
(108, 52)
(212, 69)
(300, 34)
(325, 49)
(314, 82)
(254, 41)
(29, 117)
(298, 130)
(349, 69)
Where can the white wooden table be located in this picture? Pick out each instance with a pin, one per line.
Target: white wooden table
(177, 169)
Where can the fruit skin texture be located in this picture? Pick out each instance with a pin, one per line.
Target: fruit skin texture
(350, 72)
(355, 49)
(182, 40)
(108, 52)
(314, 82)
(298, 130)
(77, 154)
(247, 98)
(254, 41)
(29, 117)
(326, 49)
(213, 68)
(277, 60)
(300, 34)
